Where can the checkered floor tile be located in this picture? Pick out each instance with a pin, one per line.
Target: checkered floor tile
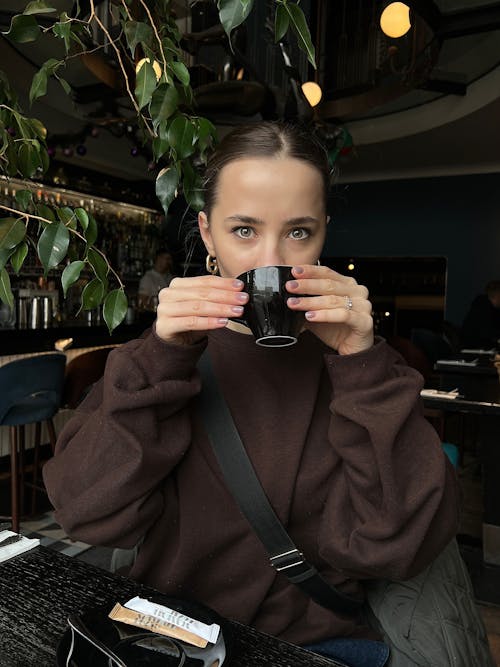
(51, 535)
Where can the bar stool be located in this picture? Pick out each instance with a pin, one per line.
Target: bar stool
(30, 393)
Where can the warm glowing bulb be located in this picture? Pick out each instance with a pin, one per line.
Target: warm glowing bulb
(350, 266)
(387, 313)
(312, 92)
(395, 19)
(156, 66)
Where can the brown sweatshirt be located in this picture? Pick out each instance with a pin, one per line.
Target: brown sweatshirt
(350, 465)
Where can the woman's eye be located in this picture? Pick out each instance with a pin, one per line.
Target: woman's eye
(299, 233)
(243, 232)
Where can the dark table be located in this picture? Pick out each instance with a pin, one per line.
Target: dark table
(38, 589)
(479, 395)
(484, 365)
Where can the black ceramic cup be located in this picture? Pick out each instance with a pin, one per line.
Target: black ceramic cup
(266, 313)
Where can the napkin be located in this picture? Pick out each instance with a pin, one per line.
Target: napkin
(436, 393)
(19, 547)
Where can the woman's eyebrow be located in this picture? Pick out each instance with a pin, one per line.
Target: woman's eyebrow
(245, 219)
(292, 222)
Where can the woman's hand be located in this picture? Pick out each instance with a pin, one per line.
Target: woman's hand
(338, 311)
(190, 307)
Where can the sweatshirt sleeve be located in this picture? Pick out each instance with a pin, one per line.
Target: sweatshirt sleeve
(393, 504)
(104, 480)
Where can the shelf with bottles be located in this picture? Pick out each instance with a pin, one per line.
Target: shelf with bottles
(128, 234)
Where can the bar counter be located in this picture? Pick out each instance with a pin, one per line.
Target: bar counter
(22, 341)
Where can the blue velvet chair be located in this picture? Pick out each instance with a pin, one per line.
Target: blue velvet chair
(30, 393)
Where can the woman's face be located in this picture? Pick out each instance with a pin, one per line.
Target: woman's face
(268, 211)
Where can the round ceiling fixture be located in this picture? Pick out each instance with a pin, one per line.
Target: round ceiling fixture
(312, 92)
(395, 20)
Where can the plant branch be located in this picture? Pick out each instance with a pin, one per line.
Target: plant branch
(120, 62)
(153, 25)
(27, 216)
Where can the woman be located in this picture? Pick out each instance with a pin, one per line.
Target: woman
(333, 425)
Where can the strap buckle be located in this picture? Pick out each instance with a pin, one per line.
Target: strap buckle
(287, 559)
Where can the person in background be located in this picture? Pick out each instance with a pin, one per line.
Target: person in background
(481, 326)
(155, 280)
(333, 424)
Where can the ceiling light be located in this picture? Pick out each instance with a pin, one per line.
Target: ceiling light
(395, 19)
(312, 92)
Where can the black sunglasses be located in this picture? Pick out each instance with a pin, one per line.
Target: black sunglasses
(139, 645)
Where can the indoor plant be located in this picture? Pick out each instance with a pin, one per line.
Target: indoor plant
(144, 41)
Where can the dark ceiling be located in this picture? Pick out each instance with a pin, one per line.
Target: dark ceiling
(445, 124)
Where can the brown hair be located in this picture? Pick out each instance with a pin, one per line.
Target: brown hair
(265, 139)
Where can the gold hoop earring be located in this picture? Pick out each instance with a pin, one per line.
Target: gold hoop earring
(211, 265)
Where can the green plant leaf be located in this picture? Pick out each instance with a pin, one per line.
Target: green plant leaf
(181, 72)
(281, 23)
(207, 134)
(38, 85)
(166, 186)
(23, 29)
(145, 84)
(91, 231)
(53, 245)
(5, 291)
(82, 217)
(160, 147)
(12, 161)
(38, 128)
(92, 294)
(99, 264)
(38, 7)
(65, 85)
(232, 13)
(29, 159)
(181, 136)
(193, 189)
(24, 198)
(63, 30)
(45, 212)
(67, 216)
(18, 256)
(12, 232)
(5, 256)
(136, 33)
(115, 308)
(71, 274)
(163, 104)
(300, 27)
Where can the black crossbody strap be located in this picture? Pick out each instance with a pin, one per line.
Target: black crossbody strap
(244, 484)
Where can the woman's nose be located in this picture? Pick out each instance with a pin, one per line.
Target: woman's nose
(272, 256)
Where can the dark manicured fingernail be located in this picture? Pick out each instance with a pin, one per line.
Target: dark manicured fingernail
(293, 300)
(298, 269)
(293, 284)
(237, 283)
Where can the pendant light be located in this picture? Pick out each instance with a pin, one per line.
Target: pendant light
(395, 20)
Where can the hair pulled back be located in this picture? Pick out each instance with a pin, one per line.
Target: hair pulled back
(266, 139)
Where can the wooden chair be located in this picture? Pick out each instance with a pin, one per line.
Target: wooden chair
(81, 373)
